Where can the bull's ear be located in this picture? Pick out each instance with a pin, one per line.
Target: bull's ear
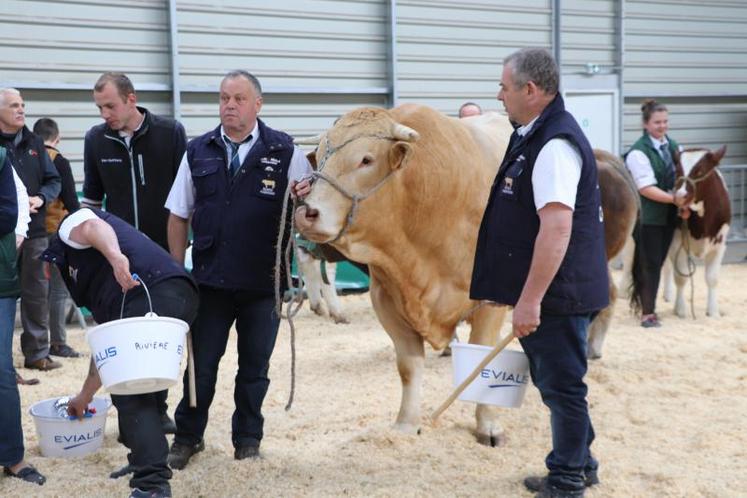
(399, 154)
(311, 156)
(718, 154)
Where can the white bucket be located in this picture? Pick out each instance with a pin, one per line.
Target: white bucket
(61, 437)
(138, 355)
(502, 382)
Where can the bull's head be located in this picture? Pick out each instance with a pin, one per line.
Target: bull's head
(355, 159)
(697, 166)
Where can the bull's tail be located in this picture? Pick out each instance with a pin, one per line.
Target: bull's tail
(636, 272)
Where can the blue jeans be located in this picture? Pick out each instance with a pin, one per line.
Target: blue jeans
(256, 328)
(557, 363)
(11, 435)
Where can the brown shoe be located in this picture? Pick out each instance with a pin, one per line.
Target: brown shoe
(44, 364)
(26, 382)
(64, 351)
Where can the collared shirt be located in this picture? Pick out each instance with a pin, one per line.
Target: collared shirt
(128, 136)
(24, 212)
(181, 199)
(640, 167)
(556, 172)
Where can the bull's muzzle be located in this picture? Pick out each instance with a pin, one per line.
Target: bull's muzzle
(305, 217)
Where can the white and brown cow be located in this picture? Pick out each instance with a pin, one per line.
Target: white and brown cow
(408, 203)
(706, 228)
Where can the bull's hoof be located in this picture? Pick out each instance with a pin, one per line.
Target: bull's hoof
(492, 440)
(410, 429)
(317, 309)
(593, 355)
(446, 352)
(340, 319)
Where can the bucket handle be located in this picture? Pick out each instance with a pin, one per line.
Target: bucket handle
(135, 276)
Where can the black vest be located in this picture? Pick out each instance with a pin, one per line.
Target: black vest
(89, 276)
(236, 220)
(510, 225)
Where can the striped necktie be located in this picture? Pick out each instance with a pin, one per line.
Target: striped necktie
(233, 147)
(666, 155)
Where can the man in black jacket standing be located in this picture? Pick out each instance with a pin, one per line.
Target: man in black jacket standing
(34, 167)
(132, 158)
(131, 161)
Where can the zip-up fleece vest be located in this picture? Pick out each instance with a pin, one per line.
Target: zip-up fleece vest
(89, 276)
(510, 225)
(56, 211)
(652, 212)
(9, 286)
(236, 220)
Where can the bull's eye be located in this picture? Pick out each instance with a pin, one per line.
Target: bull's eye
(366, 160)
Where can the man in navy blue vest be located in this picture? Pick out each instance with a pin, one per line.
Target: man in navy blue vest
(541, 250)
(97, 253)
(232, 183)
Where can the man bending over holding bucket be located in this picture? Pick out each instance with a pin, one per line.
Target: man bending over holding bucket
(541, 250)
(97, 253)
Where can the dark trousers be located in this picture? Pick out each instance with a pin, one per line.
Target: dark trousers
(11, 432)
(139, 416)
(652, 243)
(557, 363)
(34, 305)
(256, 328)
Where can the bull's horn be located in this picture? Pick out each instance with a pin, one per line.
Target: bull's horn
(404, 133)
(315, 140)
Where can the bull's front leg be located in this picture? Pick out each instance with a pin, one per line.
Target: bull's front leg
(486, 323)
(410, 351)
(312, 278)
(712, 267)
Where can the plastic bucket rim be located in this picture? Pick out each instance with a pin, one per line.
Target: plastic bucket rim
(481, 347)
(57, 418)
(136, 319)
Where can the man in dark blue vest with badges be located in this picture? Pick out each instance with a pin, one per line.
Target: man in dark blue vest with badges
(232, 183)
(97, 253)
(541, 250)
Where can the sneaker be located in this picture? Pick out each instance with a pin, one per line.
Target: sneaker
(64, 351)
(152, 493)
(167, 424)
(550, 491)
(179, 454)
(248, 451)
(650, 321)
(537, 483)
(44, 364)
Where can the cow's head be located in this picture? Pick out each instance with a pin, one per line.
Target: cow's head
(697, 165)
(355, 160)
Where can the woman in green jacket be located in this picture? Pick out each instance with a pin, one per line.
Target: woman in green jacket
(651, 162)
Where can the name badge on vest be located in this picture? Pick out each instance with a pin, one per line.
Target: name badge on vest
(73, 272)
(268, 187)
(513, 172)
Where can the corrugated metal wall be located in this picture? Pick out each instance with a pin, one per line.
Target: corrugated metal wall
(54, 51)
(316, 60)
(449, 52)
(589, 35)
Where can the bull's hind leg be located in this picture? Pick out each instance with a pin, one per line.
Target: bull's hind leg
(312, 279)
(712, 267)
(329, 293)
(486, 323)
(599, 327)
(408, 346)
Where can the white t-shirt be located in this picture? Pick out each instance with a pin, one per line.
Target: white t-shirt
(556, 172)
(181, 199)
(640, 167)
(72, 221)
(24, 212)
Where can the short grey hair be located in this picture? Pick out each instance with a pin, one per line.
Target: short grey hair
(240, 73)
(4, 91)
(537, 65)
